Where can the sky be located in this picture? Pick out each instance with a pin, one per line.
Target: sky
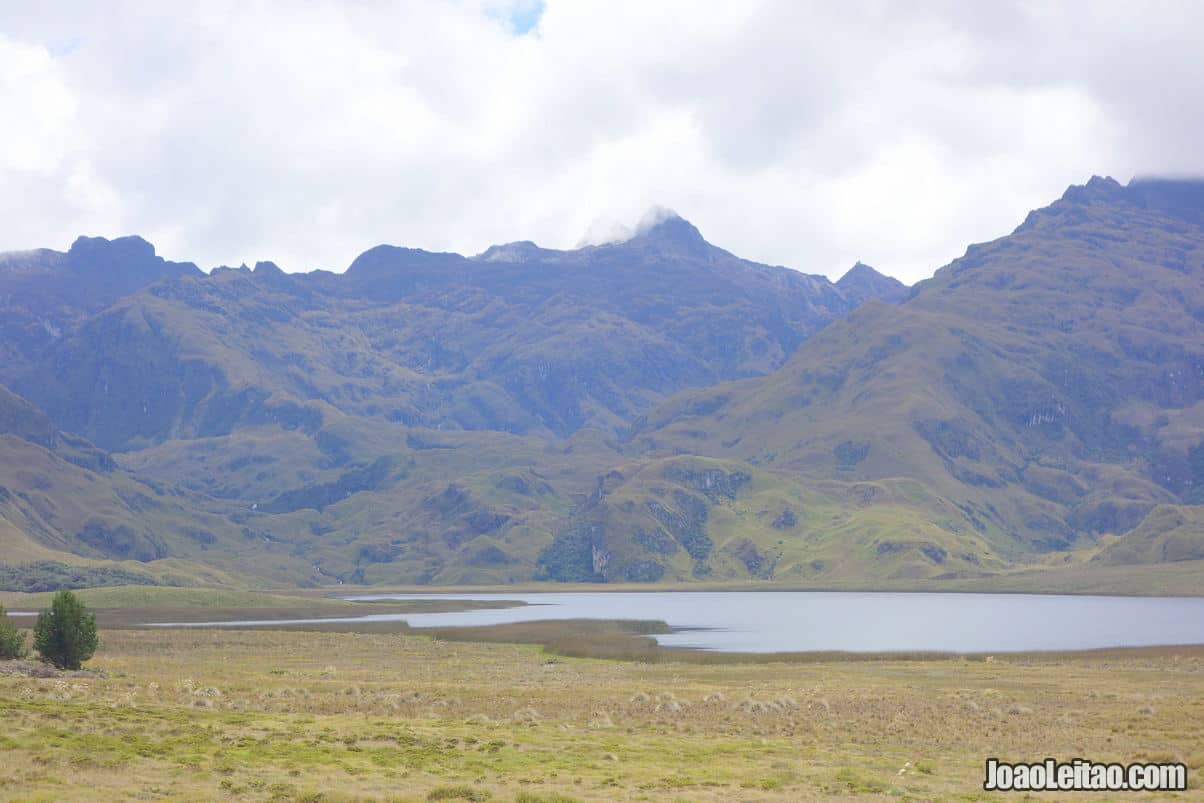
(810, 135)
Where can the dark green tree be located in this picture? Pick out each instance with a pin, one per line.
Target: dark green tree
(12, 641)
(65, 634)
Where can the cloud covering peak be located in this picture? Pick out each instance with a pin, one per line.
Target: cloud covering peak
(608, 231)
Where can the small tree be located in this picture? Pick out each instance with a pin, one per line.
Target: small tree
(12, 641)
(65, 634)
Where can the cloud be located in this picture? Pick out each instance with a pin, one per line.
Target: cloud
(45, 171)
(810, 135)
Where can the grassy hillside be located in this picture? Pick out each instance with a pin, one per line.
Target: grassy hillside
(1034, 414)
(520, 339)
(64, 501)
(691, 518)
(1049, 385)
(139, 597)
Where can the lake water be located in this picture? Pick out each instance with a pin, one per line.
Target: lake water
(789, 621)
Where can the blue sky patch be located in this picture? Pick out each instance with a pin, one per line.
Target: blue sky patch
(525, 16)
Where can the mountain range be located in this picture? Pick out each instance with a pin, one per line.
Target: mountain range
(656, 409)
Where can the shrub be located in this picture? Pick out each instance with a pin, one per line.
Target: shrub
(849, 454)
(65, 635)
(50, 575)
(12, 641)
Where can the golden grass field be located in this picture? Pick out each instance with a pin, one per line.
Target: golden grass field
(337, 716)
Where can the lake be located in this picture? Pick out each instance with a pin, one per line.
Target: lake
(792, 621)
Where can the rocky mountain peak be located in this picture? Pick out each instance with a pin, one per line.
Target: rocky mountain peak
(861, 283)
(126, 262)
(267, 269)
(121, 248)
(521, 251)
(1097, 188)
(664, 231)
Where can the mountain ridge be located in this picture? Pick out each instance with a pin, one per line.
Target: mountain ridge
(650, 410)
(442, 339)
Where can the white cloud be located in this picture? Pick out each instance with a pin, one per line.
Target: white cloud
(809, 135)
(46, 177)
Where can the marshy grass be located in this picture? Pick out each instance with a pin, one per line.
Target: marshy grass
(286, 715)
(632, 640)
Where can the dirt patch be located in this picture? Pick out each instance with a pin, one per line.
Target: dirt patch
(37, 669)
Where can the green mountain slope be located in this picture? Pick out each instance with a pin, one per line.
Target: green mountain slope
(1050, 383)
(63, 499)
(692, 518)
(650, 411)
(520, 339)
(46, 294)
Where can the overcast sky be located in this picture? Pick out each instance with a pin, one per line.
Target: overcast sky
(807, 135)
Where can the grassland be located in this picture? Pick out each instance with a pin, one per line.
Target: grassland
(169, 597)
(1178, 579)
(284, 715)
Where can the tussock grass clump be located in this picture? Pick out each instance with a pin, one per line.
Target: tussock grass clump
(859, 782)
(1158, 756)
(525, 716)
(469, 793)
(600, 719)
(750, 706)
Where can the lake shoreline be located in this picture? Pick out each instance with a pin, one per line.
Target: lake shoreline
(632, 640)
(744, 623)
(605, 588)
